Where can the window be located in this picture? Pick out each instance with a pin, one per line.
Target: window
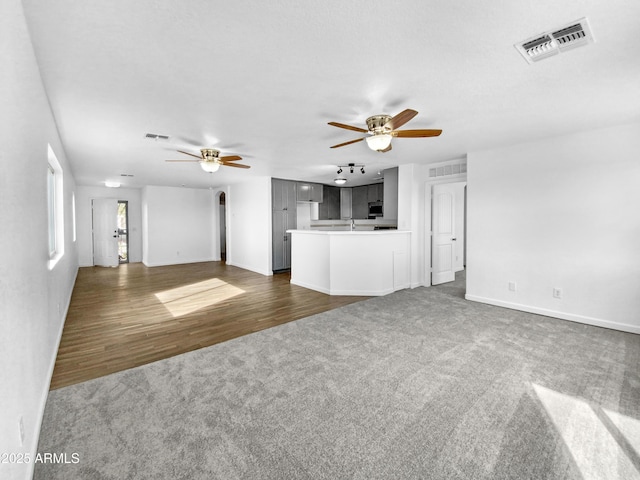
(51, 203)
(73, 215)
(55, 208)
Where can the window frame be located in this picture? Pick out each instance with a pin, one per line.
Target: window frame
(55, 209)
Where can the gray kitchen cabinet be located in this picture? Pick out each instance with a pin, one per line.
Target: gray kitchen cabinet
(329, 209)
(309, 192)
(284, 217)
(345, 203)
(375, 192)
(359, 202)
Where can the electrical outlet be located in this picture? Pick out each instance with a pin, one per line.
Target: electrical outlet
(512, 286)
(557, 293)
(21, 427)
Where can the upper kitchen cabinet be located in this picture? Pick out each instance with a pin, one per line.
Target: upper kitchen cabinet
(359, 204)
(329, 209)
(375, 192)
(283, 194)
(309, 192)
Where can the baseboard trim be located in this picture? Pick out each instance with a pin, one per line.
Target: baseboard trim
(596, 322)
(310, 286)
(355, 293)
(181, 262)
(266, 273)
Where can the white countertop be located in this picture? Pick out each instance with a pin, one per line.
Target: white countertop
(349, 232)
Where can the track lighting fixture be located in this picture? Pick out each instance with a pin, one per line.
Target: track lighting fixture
(351, 167)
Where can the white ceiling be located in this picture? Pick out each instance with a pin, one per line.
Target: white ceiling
(262, 79)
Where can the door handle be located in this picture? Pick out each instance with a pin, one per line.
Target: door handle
(453, 239)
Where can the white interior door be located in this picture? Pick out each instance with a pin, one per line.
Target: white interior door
(105, 232)
(444, 238)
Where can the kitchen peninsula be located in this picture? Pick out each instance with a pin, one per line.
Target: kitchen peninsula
(344, 262)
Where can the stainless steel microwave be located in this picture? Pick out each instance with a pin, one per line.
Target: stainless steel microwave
(375, 209)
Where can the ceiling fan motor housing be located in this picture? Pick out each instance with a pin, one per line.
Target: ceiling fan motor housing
(210, 154)
(376, 124)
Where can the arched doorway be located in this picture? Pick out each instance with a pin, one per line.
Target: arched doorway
(223, 226)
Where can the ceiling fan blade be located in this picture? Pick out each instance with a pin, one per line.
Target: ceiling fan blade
(400, 119)
(236, 165)
(348, 127)
(416, 133)
(199, 157)
(194, 161)
(348, 143)
(386, 149)
(230, 158)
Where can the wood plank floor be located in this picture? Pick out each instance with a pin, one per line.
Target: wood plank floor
(128, 316)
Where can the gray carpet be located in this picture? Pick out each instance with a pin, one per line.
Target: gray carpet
(417, 384)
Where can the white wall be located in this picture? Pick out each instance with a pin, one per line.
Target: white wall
(33, 299)
(249, 225)
(414, 214)
(84, 196)
(411, 217)
(559, 213)
(178, 225)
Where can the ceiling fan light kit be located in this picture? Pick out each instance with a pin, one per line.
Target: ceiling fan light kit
(379, 142)
(209, 166)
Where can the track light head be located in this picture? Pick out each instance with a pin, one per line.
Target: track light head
(362, 170)
(339, 170)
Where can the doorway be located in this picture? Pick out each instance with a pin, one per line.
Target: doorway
(447, 246)
(123, 231)
(104, 213)
(223, 227)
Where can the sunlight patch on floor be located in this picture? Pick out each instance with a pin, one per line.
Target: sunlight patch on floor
(189, 298)
(628, 426)
(594, 449)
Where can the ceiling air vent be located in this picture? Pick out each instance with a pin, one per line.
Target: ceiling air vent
(548, 44)
(446, 170)
(156, 136)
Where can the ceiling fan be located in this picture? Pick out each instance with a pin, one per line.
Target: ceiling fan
(382, 128)
(210, 160)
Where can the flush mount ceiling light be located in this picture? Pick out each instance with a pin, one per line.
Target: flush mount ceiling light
(111, 184)
(340, 181)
